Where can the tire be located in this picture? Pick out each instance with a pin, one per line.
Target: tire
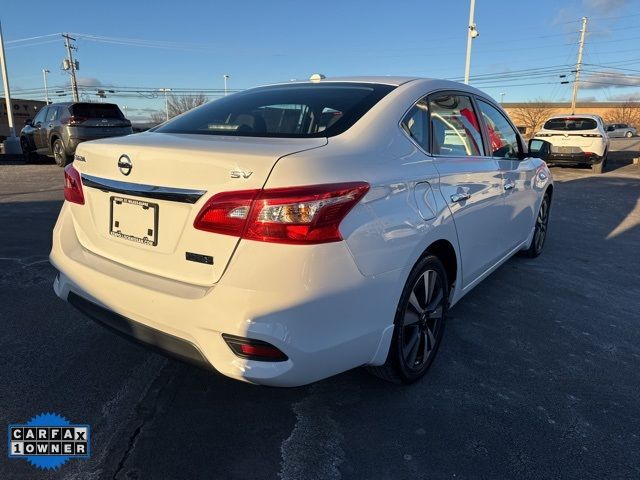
(628, 134)
(59, 153)
(418, 324)
(29, 155)
(540, 232)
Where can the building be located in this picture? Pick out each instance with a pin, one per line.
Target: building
(23, 110)
(529, 116)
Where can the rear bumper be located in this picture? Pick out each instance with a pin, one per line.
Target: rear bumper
(319, 309)
(574, 158)
(139, 332)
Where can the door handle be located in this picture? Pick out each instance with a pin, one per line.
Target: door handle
(509, 185)
(460, 197)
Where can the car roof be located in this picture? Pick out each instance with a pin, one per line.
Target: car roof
(377, 79)
(426, 83)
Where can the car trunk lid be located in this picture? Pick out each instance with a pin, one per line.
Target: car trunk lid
(143, 192)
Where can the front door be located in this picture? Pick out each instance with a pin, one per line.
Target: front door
(517, 172)
(470, 182)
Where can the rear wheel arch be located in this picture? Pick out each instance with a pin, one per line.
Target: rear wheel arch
(52, 140)
(446, 253)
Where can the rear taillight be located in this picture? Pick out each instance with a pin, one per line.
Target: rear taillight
(73, 185)
(73, 120)
(297, 215)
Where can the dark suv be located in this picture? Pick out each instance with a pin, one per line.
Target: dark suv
(57, 129)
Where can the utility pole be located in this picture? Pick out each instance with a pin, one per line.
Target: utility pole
(226, 77)
(502, 94)
(46, 90)
(72, 66)
(574, 97)
(11, 144)
(471, 34)
(166, 100)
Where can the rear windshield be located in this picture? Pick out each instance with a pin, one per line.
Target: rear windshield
(572, 123)
(96, 110)
(299, 111)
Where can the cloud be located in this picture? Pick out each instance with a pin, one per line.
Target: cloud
(625, 97)
(89, 82)
(609, 79)
(605, 6)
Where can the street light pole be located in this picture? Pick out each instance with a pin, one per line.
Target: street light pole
(226, 77)
(46, 90)
(166, 100)
(11, 144)
(471, 34)
(502, 94)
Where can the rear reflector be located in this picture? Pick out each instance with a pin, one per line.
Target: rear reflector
(73, 185)
(254, 349)
(294, 215)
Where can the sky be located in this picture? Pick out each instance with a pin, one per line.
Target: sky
(140, 46)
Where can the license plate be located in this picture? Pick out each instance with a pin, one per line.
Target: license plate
(134, 220)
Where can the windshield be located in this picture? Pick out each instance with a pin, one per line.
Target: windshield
(570, 123)
(297, 110)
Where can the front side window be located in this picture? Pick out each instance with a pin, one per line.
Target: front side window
(291, 111)
(416, 122)
(454, 125)
(503, 138)
(570, 123)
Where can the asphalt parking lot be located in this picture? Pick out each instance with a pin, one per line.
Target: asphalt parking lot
(538, 375)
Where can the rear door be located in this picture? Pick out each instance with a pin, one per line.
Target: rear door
(53, 115)
(39, 128)
(517, 172)
(470, 181)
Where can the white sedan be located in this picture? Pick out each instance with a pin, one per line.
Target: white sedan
(291, 232)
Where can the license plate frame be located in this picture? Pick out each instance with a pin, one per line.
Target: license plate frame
(117, 215)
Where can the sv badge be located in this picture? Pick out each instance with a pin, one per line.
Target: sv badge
(240, 174)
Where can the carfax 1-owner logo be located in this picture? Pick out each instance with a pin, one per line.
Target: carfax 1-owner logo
(49, 440)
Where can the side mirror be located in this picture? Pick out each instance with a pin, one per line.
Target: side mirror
(28, 122)
(539, 148)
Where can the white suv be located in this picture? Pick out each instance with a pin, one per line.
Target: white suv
(576, 139)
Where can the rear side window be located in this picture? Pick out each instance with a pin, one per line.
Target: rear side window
(416, 123)
(52, 113)
(454, 125)
(292, 111)
(96, 110)
(570, 123)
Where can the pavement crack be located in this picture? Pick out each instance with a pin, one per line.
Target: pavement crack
(146, 411)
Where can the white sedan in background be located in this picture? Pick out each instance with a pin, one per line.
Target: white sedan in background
(291, 232)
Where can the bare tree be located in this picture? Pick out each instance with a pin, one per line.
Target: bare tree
(158, 117)
(628, 112)
(532, 115)
(183, 103)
